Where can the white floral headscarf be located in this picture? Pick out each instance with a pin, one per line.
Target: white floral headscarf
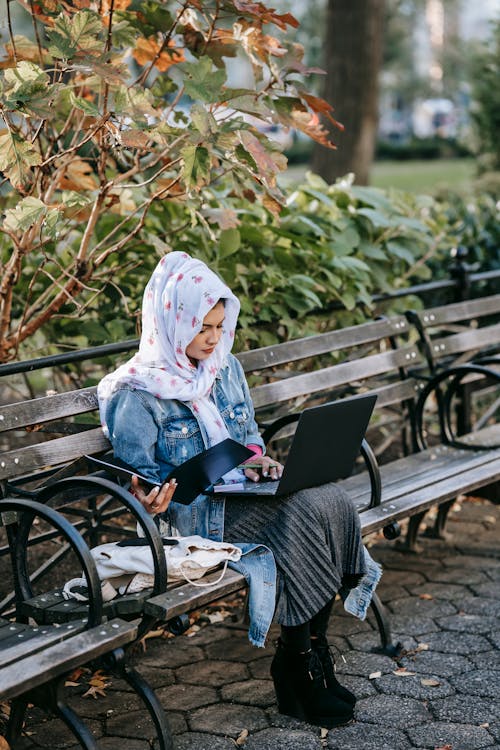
(179, 294)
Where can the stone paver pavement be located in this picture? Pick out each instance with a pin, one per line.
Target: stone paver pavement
(443, 692)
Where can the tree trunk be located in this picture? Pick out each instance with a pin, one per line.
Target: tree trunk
(353, 54)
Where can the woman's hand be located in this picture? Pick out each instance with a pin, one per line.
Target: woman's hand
(158, 499)
(262, 466)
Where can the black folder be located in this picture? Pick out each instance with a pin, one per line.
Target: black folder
(193, 477)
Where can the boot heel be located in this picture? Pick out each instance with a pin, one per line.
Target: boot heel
(287, 700)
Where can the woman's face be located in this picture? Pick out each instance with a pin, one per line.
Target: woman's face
(204, 343)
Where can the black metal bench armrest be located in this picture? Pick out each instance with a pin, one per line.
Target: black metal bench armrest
(104, 486)
(365, 450)
(455, 376)
(27, 511)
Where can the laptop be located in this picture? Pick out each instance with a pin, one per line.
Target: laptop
(324, 448)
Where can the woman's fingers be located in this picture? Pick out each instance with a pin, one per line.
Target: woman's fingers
(268, 467)
(158, 499)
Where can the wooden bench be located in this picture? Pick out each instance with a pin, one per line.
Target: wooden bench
(461, 346)
(372, 357)
(35, 660)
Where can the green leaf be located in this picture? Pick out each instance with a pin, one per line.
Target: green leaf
(81, 32)
(16, 158)
(25, 214)
(377, 218)
(202, 83)
(229, 243)
(395, 248)
(196, 164)
(84, 105)
(203, 120)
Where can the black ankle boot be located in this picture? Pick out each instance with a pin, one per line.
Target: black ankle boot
(301, 690)
(320, 646)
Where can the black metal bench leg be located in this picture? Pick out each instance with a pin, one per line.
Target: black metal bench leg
(16, 719)
(437, 531)
(51, 698)
(76, 725)
(409, 543)
(384, 628)
(144, 690)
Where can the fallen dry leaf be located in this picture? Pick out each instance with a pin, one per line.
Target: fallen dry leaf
(425, 596)
(374, 675)
(444, 747)
(430, 682)
(403, 672)
(242, 737)
(422, 647)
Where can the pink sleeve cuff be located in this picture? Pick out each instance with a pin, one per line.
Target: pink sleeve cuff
(256, 449)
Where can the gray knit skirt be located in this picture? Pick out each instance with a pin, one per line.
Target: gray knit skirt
(315, 537)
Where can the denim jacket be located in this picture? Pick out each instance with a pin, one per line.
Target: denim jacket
(156, 435)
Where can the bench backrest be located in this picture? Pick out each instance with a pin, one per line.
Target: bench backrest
(451, 334)
(286, 377)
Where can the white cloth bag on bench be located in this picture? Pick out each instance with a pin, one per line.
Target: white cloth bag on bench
(129, 569)
(189, 559)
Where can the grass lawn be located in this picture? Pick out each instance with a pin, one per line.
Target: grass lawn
(417, 176)
(424, 176)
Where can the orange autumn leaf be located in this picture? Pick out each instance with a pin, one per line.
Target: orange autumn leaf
(266, 15)
(150, 51)
(77, 175)
(322, 107)
(117, 5)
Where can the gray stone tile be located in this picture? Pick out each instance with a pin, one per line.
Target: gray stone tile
(487, 660)
(411, 686)
(227, 720)
(468, 623)
(367, 642)
(215, 673)
(367, 737)
(437, 664)
(234, 649)
(476, 605)
(422, 607)
(452, 642)
(403, 712)
(199, 741)
(250, 692)
(489, 589)
(460, 576)
(260, 668)
(465, 708)
(183, 697)
(400, 577)
(471, 561)
(441, 590)
(494, 637)
(283, 739)
(483, 682)
(364, 664)
(174, 653)
(459, 736)
(416, 626)
(136, 724)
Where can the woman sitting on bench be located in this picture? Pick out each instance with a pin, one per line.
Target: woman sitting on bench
(183, 392)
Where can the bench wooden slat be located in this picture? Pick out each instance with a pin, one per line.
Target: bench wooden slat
(334, 376)
(409, 504)
(472, 340)
(46, 408)
(323, 343)
(63, 656)
(51, 453)
(459, 311)
(33, 639)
